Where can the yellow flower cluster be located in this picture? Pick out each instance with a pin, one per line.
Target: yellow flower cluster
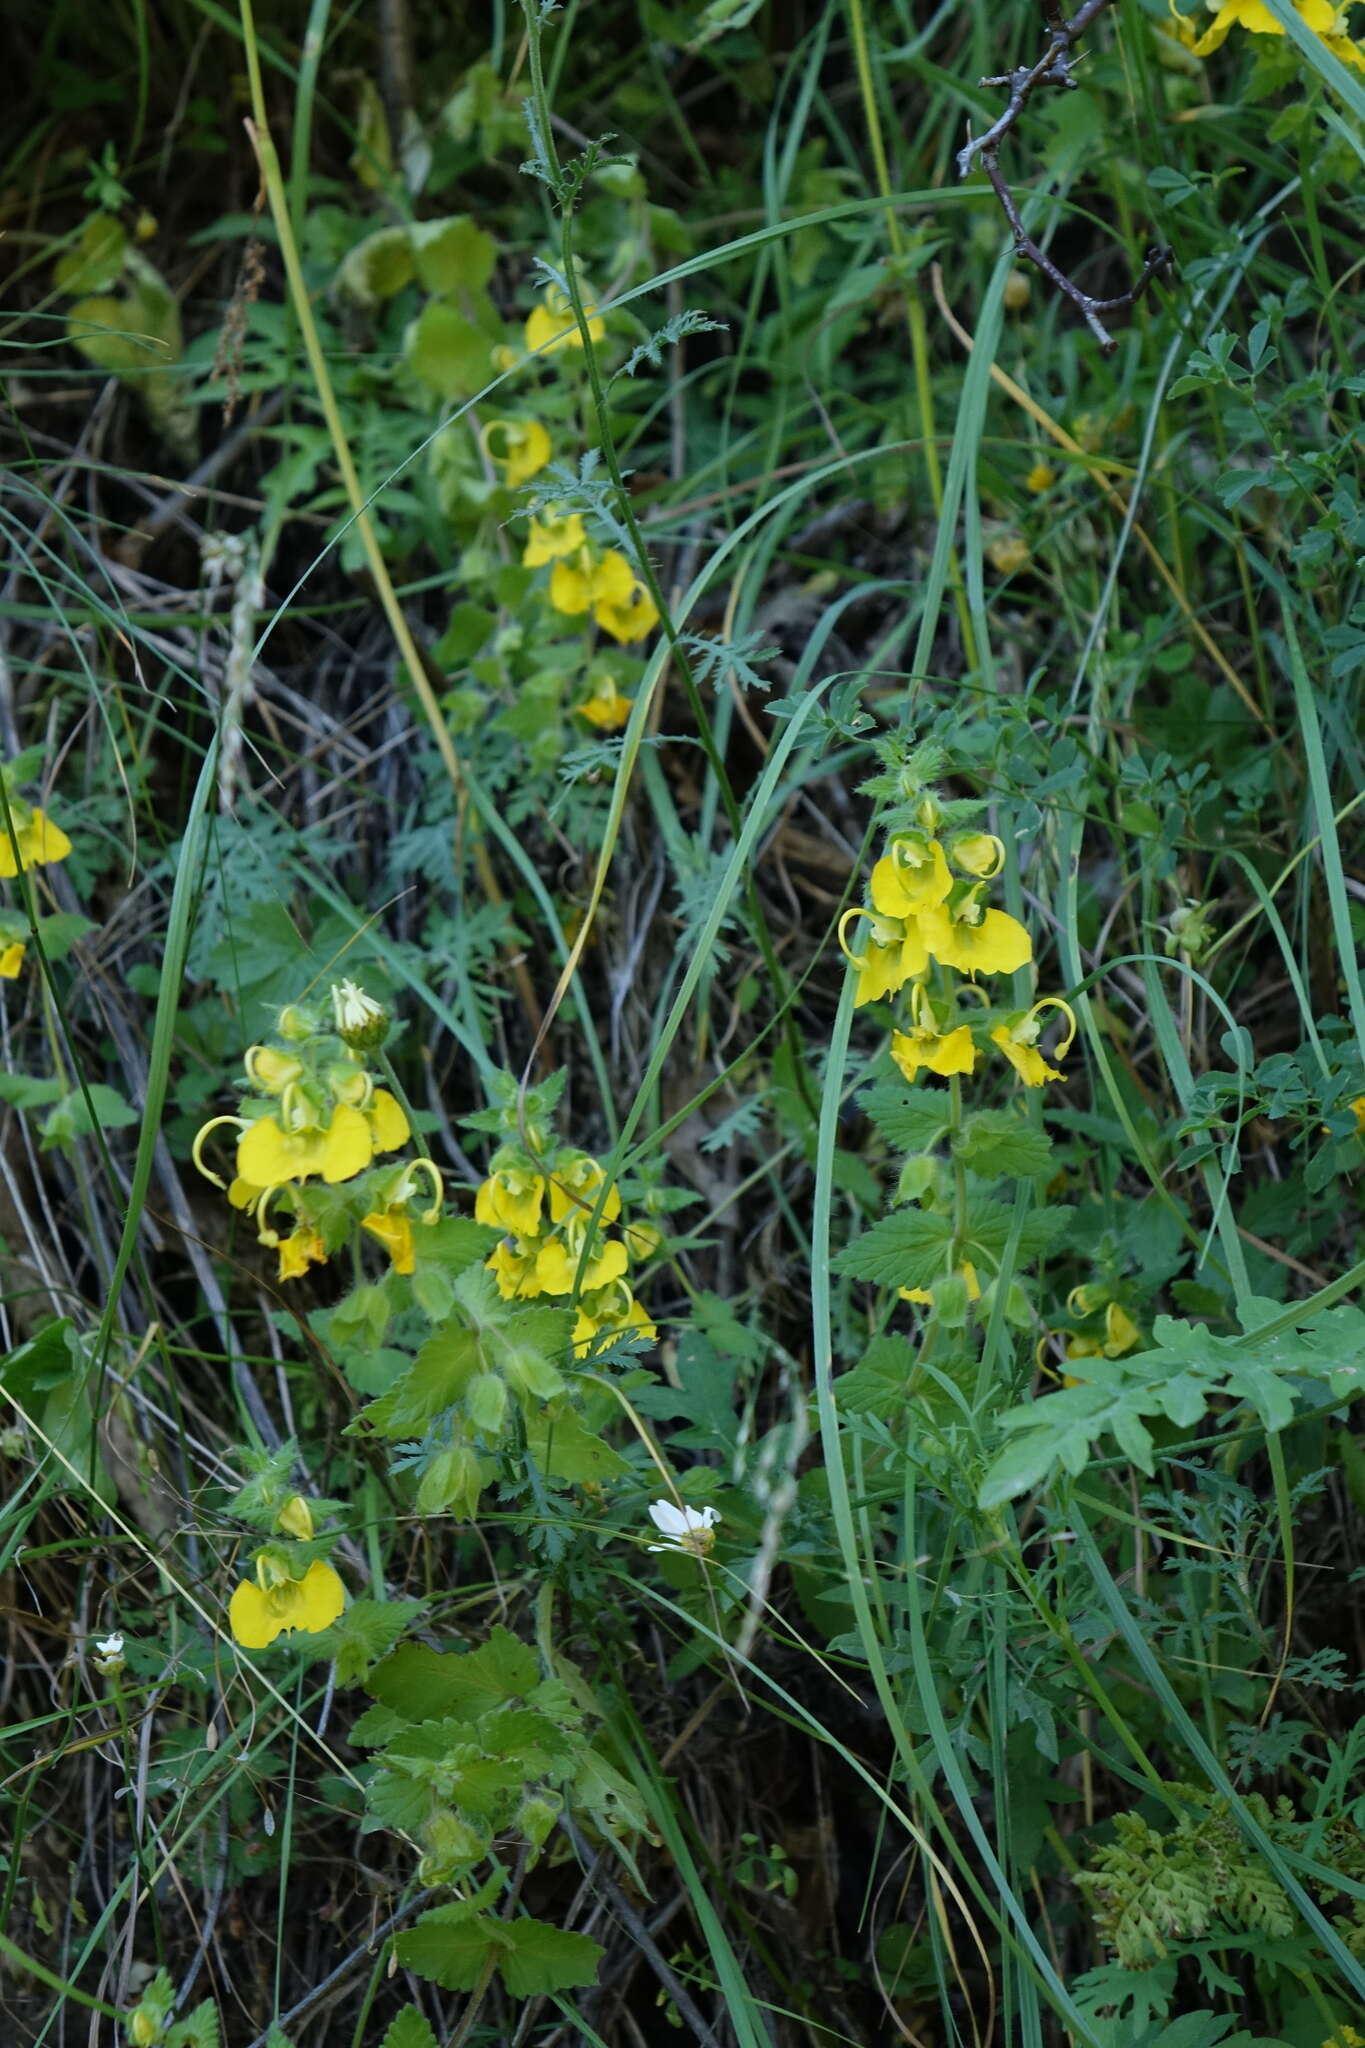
(315, 1114)
(37, 842)
(557, 1216)
(1327, 22)
(922, 911)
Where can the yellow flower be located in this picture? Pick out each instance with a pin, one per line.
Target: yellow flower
(510, 1200)
(613, 1312)
(606, 708)
(951, 1053)
(1358, 1106)
(300, 1250)
(271, 1070)
(571, 583)
(526, 449)
(40, 841)
(975, 940)
(911, 876)
(393, 1228)
(11, 960)
(895, 953)
(552, 325)
(1120, 1331)
(267, 1155)
(925, 1298)
(977, 853)
(621, 604)
(552, 538)
(256, 1615)
(560, 1262)
(1325, 20)
(1017, 1038)
(574, 1186)
(388, 1125)
(513, 1266)
(1039, 479)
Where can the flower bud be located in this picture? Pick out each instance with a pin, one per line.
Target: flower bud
(296, 1023)
(360, 1020)
(295, 1519)
(1018, 291)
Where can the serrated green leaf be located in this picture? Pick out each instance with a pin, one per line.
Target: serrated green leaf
(996, 1142)
(564, 1449)
(62, 931)
(452, 255)
(427, 1685)
(366, 1632)
(910, 1119)
(408, 2030)
(438, 1376)
(450, 1946)
(448, 352)
(540, 1959)
(909, 1248)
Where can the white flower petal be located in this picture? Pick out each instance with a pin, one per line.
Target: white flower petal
(669, 1520)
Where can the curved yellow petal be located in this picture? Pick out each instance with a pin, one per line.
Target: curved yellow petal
(393, 1228)
(387, 1122)
(11, 960)
(571, 586)
(46, 842)
(250, 1617)
(549, 539)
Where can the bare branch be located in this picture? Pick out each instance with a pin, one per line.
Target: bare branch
(1052, 68)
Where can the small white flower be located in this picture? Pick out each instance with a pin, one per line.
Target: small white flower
(109, 1656)
(687, 1529)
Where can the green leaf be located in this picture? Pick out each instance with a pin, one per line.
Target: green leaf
(910, 1119)
(542, 1959)
(996, 1142)
(906, 1249)
(438, 1376)
(62, 931)
(366, 1632)
(452, 255)
(71, 1118)
(95, 260)
(427, 1685)
(564, 1449)
(448, 352)
(29, 1091)
(880, 1381)
(450, 1946)
(377, 268)
(408, 2030)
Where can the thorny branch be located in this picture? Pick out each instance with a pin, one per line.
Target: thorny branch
(1052, 68)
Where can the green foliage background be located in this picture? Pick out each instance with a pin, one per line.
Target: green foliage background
(1017, 1698)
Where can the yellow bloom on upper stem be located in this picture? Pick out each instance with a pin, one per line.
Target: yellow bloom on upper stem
(612, 1311)
(911, 876)
(630, 616)
(11, 960)
(393, 1228)
(267, 1154)
(552, 326)
(551, 538)
(40, 841)
(1327, 22)
(894, 954)
(388, 1125)
(977, 853)
(257, 1615)
(511, 1200)
(526, 449)
(973, 939)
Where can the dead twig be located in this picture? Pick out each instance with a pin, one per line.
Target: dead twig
(1052, 68)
